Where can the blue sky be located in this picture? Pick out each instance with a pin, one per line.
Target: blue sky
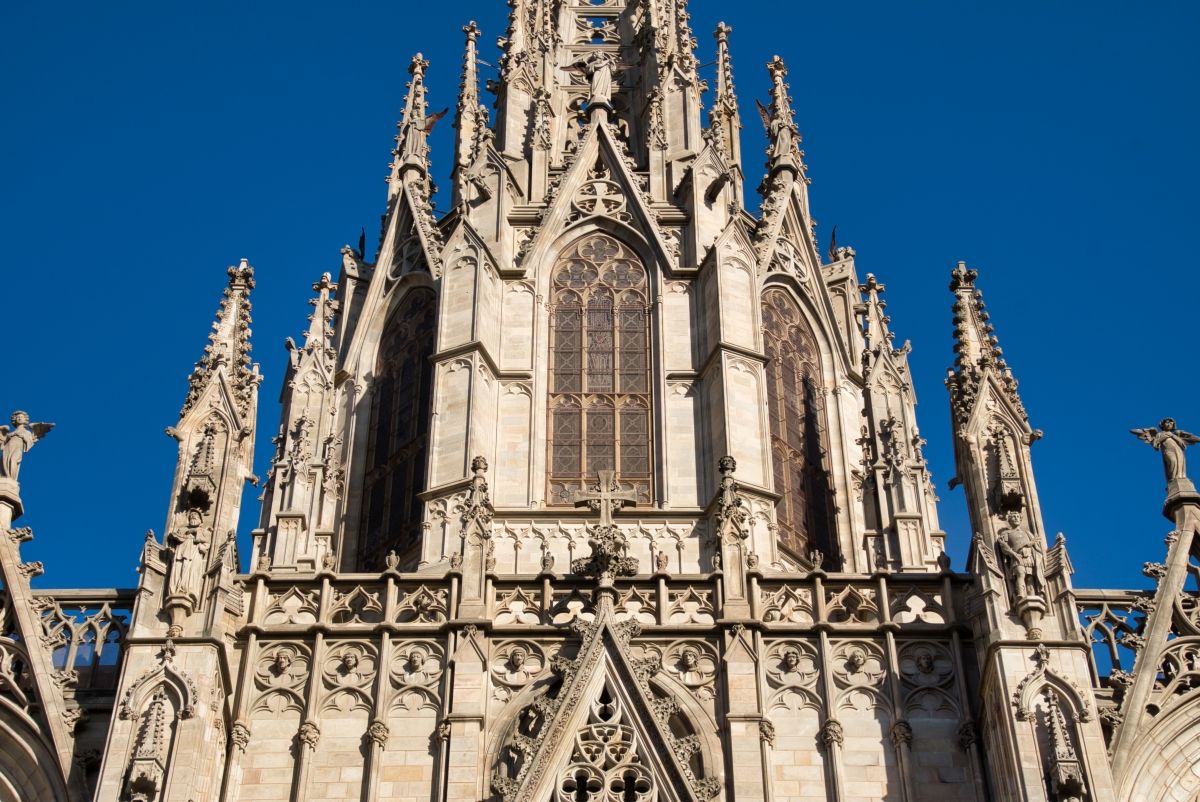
(147, 145)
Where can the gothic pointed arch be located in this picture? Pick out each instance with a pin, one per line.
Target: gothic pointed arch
(397, 446)
(799, 430)
(600, 400)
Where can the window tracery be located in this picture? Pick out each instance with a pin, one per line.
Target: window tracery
(796, 410)
(606, 762)
(599, 369)
(398, 440)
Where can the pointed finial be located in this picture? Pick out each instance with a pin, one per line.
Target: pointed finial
(976, 347)
(468, 120)
(784, 147)
(320, 322)
(875, 322)
(229, 343)
(723, 119)
(411, 148)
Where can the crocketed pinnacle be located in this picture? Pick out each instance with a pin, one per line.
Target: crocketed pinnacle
(723, 119)
(412, 149)
(320, 323)
(228, 346)
(783, 148)
(976, 348)
(470, 118)
(875, 322)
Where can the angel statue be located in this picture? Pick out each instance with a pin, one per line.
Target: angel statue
(1171, 442)
(17, 439)
(600, 67)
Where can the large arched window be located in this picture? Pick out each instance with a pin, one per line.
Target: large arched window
(399, 434)
(599, 369)
(797, 415)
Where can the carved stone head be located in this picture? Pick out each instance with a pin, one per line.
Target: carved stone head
(690, 659)
(21, 418)
(791, 659)
(416, 659)
(1166, 424)
(517, 658)
(283, 661)
(1014, 518)
(349, 662)
(924, 662)
(856, 660)
(194, 518)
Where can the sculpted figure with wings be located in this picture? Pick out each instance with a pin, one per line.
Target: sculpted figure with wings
(1171, 442)
(17, 439)
(600, 68)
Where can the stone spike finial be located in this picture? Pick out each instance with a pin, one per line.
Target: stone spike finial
(467, 117)
(412, 150)
(320, 322)
(875, 322)
(783, 149)
(229, 344)
(976, 346)
(723, 119)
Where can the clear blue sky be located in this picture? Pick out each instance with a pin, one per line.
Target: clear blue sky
(147, 145)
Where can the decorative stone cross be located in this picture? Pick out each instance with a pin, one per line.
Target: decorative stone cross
(606, 497)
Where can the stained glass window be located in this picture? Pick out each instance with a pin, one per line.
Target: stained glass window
(600, 369)
(796, 412)
(398, 443)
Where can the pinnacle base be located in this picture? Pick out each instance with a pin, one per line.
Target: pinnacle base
(10, 494)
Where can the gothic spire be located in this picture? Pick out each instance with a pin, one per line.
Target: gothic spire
(976, 348)
(783, 136)
(898, 493)
(471, 118)
(229, 344)
(320, 322)
(723, 119)
(875, 322)
(412, 149)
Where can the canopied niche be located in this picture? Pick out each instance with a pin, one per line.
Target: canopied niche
(399, 437)
(796, 410)
(599, 369)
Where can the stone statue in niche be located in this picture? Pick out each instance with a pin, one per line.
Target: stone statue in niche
(1167, 439)
(1024, 556)
(188, 550)
(18, 439)
(1025, 563)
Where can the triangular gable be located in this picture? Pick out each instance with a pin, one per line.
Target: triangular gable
(217, 394)
(598, 147)
(604, 728)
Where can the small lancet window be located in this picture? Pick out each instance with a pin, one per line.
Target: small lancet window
(599, 369)
(796, 410)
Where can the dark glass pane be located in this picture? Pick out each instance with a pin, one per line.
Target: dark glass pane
(568, 350)
(635, 443)
(601, 441)
(600, 345)
(567, 453)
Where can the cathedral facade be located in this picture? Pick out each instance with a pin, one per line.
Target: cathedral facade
(600, 488)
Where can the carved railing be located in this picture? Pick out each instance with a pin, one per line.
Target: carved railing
(1112, 621)
(361, 602)
(84, 630)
